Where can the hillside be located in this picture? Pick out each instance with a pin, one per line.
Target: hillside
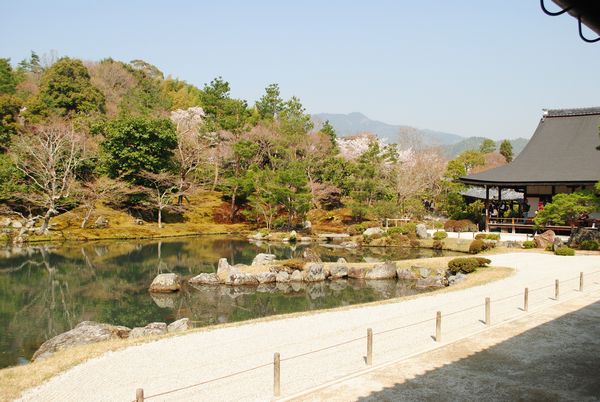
(453, 150)
(354, 123)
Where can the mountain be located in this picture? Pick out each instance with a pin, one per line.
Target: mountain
(453, 150)
(354, 123)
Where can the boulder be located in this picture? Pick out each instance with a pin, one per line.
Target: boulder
(165, 283)
(357, 271)
(205, 279)
(297, 276)
(241, 279)
(183, 324)
(373, 231)
(307, 225)
(406, 274)
(101, 222)
(545, 239)
(314, 272)
(339, 270)
(223, 266)
(17, 224)
(266, 277)
(557, 243)
(342, 260)
(431, 282)
(454, 279)
(154, 328)
(310, 255)
(387, 270)
(282, 277)
(582, 234)
(424, 272)
(421, 231)
(85, 332)
(262, 259)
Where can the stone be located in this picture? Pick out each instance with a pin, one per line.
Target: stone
(431, 282)
(266, 277)
(314, 272)
(241, 279)
(205, 279)
(580, 235)
(165, 300)
(293, 236)
(306, 239)
(454, 279)
(342, 260)
(17, 224)
(310, 255)
(421, 231)
(282, 277)
(101, 222)
(545, 239)
(557, 243)
(307, 225)
(262, 259)
(297, 276)
(339, 270)
(387, 270)
(154, 328)
(373, 231)
(223, 266)
(85, 332)
(424, 272)
(406, 274)
(183, 324)
(165, 283)
(357, 272)
(349, 244)
(139, 221)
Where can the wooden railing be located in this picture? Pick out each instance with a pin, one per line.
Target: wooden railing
(521, 223)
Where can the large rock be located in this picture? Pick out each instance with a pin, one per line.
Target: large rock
(241, 279)
(262, 259)
(282, 277)
(357, 271)
(406, 274)
(266, 277)
(424, 272)
(165, 283)
(223, 266)
(183, 324)
(582, 234)
(205, 279)
(339, 270)
(154, 328)
(454, 279)
(545, 239)
(387, 270)
(85, 332)
(557, 243)
(101, 222)
(297, 276)
(314, 272)
(373, 231)
(421, 231)
(431, 282)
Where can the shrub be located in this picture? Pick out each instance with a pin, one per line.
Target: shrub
(463, 264)
(482, 261)
(359, 228)
(589, 245)
(440, 235)
(294, 264)
(564, 250)
(463, 225)
(437, 244)
(476, 246)
(528, 244)
(487, 236)
(408, 228)
(415, 243)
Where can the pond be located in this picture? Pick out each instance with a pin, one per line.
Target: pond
(48, 289)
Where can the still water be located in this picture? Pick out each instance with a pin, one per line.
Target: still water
(48, 289)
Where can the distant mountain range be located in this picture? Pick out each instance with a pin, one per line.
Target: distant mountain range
(452, 144)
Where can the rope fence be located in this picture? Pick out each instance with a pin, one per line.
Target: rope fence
(488, 302)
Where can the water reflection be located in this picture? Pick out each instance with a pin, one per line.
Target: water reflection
(48, 289)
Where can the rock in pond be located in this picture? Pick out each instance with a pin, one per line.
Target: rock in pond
(266, 277)
(314, 272)
(183, 324)
(339, 270)
(263, 258)
(406, 274)
(154, 328)
(387, 270)
(431, 282)
(454, 279)
(282, 277)
(165, 283)
(297, 276)
(241, 278)
(205, 279)
(85, 332)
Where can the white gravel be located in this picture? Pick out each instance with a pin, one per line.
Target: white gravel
(182, 361)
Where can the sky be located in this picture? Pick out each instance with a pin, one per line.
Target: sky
(474, 68)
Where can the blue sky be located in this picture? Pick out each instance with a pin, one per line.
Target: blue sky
(483, 68)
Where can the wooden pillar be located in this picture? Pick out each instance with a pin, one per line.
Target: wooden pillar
(487, 206)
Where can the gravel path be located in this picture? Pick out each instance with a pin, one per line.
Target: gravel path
(179, 362)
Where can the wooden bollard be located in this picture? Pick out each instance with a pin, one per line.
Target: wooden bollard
(488, 320)
(526, 300)
(369, 346)
(276, 374)
(438, 326)
(556, 290)
(581, 281)
(139, 395)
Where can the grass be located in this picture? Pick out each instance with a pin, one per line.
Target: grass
(15, 380)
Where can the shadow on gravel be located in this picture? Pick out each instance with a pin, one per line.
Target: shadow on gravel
(556, 361)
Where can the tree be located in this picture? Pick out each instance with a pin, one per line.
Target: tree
(136, 144)
(270, 104)
(464, 163)
(10, 179)
(506, 150)
(566, 208)
(99, 189)
(10, 106)
(162, 189)
(329, 131)
(223, 112)
(8, 79)
(291, 192)
(487, 146)
(240, 184)
(66, 89)
(48, 157)
(31, 65)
